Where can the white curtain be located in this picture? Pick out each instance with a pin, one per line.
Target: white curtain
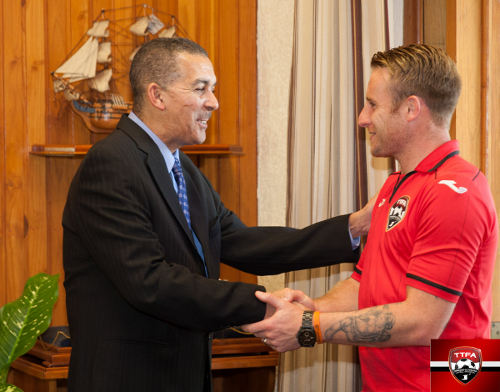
(373, 40)
(321, 182)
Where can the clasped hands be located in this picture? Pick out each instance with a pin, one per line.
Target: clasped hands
(282, 320)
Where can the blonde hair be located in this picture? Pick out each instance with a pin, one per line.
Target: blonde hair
(424, 71)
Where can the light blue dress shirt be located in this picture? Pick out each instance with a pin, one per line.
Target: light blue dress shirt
(354, 241)
(169, 162)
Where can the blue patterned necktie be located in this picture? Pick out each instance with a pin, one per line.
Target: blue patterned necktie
(183, 201)
(181, 190)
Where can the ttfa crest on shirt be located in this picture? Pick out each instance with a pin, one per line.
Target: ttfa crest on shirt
(397, 212)
(465, 363)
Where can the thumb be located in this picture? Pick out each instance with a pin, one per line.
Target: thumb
(270, 299)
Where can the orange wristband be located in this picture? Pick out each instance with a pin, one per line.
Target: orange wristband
(317, 329)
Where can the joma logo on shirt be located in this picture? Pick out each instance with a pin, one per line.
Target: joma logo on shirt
(397, 212)
(451, 185)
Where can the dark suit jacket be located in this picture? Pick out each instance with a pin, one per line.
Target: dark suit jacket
(140, 309)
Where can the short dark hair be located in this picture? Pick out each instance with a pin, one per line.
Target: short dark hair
(425, 71)
(156, 61)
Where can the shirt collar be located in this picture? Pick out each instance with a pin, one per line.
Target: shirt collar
(437, 157)
(165, 152)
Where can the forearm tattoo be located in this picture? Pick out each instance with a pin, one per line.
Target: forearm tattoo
(369, 327)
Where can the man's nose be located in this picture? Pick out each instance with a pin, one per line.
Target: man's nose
(212, 103)
(364, 118)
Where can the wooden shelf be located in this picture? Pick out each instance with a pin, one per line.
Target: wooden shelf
(213, 149)
(78, 150)
(59, 150)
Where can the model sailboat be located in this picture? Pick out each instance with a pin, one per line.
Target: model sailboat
(89, 77)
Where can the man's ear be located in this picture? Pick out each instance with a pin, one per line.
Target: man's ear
(156, 96)
(413, 107)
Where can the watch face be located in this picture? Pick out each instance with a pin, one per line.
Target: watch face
(307, 338)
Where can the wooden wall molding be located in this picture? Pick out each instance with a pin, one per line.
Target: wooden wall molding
(473, 40)
(464, 44)
(491, 117)
(413, 15)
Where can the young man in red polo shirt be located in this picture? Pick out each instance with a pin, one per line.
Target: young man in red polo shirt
(427, 267)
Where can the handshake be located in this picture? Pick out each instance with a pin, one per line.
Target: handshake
(282, 320)
(340, 320)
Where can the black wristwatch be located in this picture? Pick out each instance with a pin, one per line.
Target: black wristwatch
(306, 335)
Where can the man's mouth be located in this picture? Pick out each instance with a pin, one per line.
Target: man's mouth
(203, 120)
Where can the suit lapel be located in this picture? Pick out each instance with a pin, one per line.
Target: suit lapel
(158, 170)
(163, 180)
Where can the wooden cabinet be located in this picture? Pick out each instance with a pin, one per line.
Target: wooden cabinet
(239, 364)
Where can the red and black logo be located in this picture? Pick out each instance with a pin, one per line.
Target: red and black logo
(397, 212)
(465, 363)
(456, 362)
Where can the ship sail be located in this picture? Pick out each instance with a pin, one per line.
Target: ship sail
(132, 55)
(99, 29)
(167, 33)
(155, 24)
(101, 81)
(82, 65)
(147, 25)
(140, 27)
(104, 53)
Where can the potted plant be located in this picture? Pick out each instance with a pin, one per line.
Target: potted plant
(23, 320)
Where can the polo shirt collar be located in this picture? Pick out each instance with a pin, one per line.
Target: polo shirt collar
(437, 157)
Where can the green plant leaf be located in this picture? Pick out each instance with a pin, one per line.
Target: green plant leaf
(9, 388)
(23, 320)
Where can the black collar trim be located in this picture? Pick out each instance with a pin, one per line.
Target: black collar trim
(451, 154)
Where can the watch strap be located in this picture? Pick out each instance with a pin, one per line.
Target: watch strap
(306, 335)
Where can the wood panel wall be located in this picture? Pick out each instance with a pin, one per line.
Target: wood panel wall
(35, 37)
(490, 116)
(472, 39)
(469, 31)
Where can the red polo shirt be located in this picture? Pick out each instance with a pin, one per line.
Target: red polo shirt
(434, 229)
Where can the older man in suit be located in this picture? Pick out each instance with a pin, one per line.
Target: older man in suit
(144, 232)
